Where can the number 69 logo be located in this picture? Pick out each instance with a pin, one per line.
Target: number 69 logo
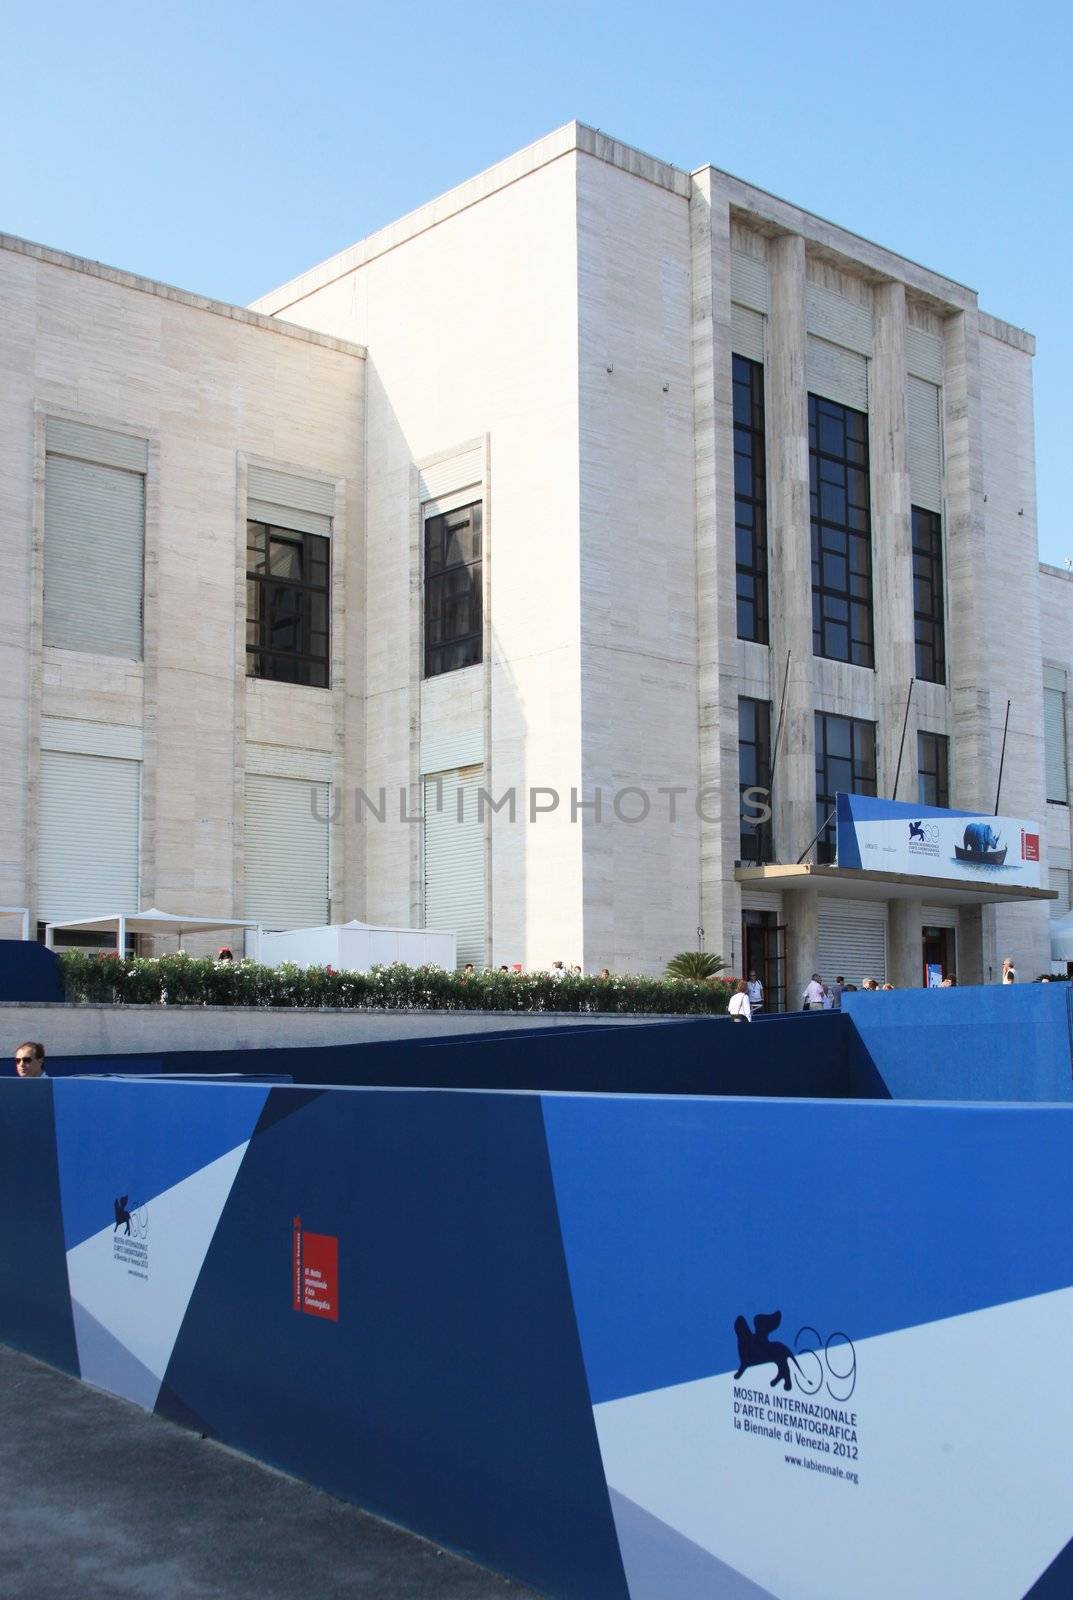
(829, 1363)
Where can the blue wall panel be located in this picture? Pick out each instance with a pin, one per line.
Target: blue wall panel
(35, 1309)
(997, 1042)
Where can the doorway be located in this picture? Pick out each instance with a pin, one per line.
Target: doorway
(763, 943)
(940, 950)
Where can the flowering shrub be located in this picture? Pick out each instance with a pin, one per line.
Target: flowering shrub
(190, 980)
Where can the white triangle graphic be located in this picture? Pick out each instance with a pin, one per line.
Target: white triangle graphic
(137, 1287)
(965, 1456)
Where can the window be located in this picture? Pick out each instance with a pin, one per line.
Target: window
(1054, 745)
(933, 769)
(287, 630)
(94, 553)
(928, 595)
(845, 764)
(454, 629)
(841, 532)
(754, 771)
(750, 500)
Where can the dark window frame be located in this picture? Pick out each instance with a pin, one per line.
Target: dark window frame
(841, 523)
(280, 602)
(750, 499)
(754, 772)
(859, 755)
(933, 769)
(453, 588)
(929, 620)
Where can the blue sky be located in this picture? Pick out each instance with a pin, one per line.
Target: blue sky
(227, 148)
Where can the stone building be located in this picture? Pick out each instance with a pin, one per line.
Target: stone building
(618, 485)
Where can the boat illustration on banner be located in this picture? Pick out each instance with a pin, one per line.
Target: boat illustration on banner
(981, 846)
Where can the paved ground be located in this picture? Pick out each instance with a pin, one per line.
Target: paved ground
(103, 1501)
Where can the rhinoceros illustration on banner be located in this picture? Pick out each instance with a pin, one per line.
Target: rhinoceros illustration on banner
(981, 846)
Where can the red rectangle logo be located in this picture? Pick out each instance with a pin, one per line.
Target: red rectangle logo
(320, 1275)
(1029, 846)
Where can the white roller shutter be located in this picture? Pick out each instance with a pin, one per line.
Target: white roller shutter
(924, 354)
(286, 830)
(89, 836)
(840, 321)
(836, 373)
(925, 444)
(1054, 745)
(94, 557)
(452, 473)
(454, 860)
(938, 917)
(1058, 878)
(852, 941)
(747, 333)
(750, 281)
(288, 501)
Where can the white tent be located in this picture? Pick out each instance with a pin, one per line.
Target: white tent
(151, 921)
(1062, 938)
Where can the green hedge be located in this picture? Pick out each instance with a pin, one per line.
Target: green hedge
(186, 980)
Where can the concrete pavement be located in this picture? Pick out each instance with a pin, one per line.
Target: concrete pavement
(100, 1499)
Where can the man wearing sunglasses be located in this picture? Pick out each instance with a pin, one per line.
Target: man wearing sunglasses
(30, 1059)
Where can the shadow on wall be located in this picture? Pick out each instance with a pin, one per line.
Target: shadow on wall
(799, 1057)
(1006, 1043)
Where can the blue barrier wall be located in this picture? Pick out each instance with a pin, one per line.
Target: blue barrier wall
(1001, 1042)
(28, 971)
(796, 1055)
(624, 1348)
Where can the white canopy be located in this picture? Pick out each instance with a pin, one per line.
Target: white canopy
(151, 921)
(1062, 938)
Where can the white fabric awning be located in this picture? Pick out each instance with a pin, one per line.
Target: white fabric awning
(152, 921)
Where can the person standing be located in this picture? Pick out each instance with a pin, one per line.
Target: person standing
(755, 990)
(1009, 971)
(813, 996)
(837, 990)
(739, 1008)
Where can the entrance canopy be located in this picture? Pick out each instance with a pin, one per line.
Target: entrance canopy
(152, 921)
(853, 883)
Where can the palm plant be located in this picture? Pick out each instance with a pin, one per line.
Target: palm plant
(695, 964)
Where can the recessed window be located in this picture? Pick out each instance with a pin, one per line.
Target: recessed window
(287, 605)
(750, 500)
(933, 769)
(1054, 745)
(845, 764)
(928, 596)
(454, 611)
(754, 772)
(841, 532)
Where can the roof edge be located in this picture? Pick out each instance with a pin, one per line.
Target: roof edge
(167, 291)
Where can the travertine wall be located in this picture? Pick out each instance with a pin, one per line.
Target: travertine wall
(469, 309)
(208, 386)
(1056, 634)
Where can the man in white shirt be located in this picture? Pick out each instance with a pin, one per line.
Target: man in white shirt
(813, 996)
(30, 1059)
(755, 990)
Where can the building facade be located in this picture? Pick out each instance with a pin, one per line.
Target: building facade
(629, 494)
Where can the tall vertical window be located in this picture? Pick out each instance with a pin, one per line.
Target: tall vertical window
(287, 580)
(754, 772)
(94, 552)
(454, 629)
(1054, 745)
(845, 764)
(933, 769)
(928, 595)
(750, 500)
(841, 532)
